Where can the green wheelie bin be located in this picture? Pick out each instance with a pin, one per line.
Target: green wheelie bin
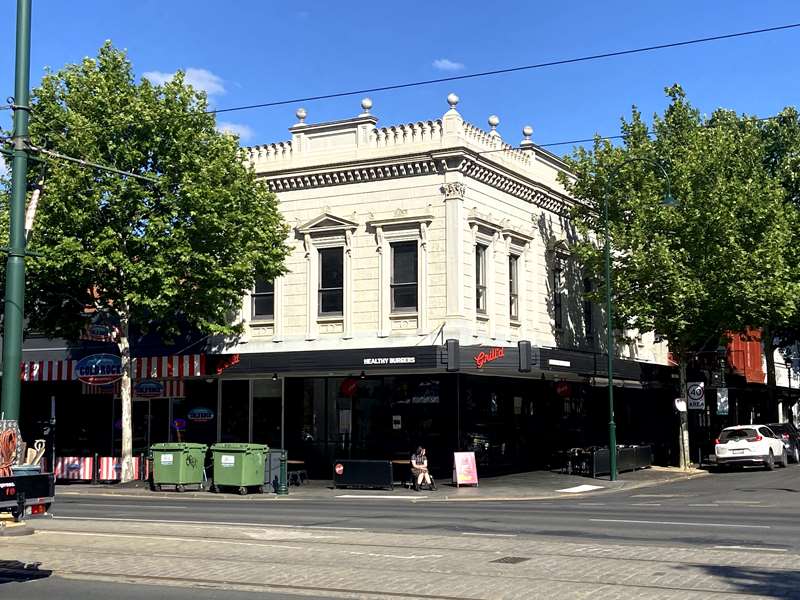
(239, 466)
(179, 464)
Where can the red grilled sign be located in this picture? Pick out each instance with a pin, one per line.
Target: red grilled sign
(486, 357)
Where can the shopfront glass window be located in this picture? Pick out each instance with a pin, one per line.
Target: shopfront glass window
(404, 276)
(262, 300)
(331, 281)
(267, 412)
(194, 418)
(235, 414)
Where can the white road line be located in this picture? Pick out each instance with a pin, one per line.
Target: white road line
(170, 538)
(202, 523)
(739, 501)
(591, 503)
(381, 496)
(658, 495)
(84, 504)
(711, 504)
(749, 548)
(492, 534)
(645, 504)
(695, 524)
(398, 556)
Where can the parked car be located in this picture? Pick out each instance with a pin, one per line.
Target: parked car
(750, 445)
(791, 439)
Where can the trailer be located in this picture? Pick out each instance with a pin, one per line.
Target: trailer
(27, 495)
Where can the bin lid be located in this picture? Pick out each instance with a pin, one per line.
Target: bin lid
(177, 447)
(238, 447)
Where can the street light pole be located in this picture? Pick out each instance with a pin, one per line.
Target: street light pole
(15, 267)
(612, 425)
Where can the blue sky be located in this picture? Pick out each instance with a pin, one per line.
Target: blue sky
(251, 51)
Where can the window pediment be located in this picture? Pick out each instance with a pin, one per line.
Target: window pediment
(400, 222)
(327, 224)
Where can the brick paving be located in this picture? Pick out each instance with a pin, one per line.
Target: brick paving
(351, 564)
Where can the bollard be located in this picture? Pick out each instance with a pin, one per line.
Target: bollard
(283, 488)
(96, 469)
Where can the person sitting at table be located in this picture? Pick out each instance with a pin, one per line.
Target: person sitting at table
(419, 469)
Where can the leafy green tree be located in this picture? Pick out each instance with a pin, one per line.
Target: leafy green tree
(181, 249)
(782, 159)
(712, 263)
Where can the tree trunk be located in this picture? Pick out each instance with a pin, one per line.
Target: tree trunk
(684, 460)
(126, 473)
(768, 342)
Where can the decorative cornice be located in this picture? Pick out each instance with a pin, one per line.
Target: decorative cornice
(543, 198)
(487, 173)
(283, 183)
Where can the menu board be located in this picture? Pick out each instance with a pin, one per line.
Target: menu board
(465, 472)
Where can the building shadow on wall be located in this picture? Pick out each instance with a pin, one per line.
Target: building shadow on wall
(14, 571)
(574, 321)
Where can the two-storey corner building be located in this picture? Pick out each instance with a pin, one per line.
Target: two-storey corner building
(430, 297)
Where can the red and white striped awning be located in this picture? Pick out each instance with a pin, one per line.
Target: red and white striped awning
(148, 367)
(173, 388)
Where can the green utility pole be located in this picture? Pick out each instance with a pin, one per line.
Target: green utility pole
(667, 201)
(15, 269)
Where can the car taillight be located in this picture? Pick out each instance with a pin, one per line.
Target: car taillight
(758, 438)
(716, 441)
(37, 509)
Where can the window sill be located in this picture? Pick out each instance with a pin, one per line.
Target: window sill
(329, 318)
(403, 315)
(481, 316)
(516, 323)
(261, 322)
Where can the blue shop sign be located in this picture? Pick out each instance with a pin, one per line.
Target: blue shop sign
(149, 388)
(200, 415)
(99, 369)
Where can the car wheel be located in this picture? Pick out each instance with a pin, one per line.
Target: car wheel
(769, 464)
(796, 455)
(784, 459)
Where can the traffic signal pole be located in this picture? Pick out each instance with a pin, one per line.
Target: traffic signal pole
(14, 311)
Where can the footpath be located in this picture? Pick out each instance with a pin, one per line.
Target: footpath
(534, 485)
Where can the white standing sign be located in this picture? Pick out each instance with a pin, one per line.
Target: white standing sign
(696, 394)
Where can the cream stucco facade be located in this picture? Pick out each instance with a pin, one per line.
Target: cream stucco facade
(447, 186)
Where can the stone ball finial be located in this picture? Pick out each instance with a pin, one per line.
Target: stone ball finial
(366, 105)
(301, 114)
(452, 100)
(526, 143)
(494, 121)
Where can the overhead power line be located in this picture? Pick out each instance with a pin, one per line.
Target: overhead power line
(542, 65)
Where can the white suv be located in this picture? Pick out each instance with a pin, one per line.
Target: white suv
(749, 445)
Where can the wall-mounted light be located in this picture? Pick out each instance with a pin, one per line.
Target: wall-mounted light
(274, 377)
(363, 375)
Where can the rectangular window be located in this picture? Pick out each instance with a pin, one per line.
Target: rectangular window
(480, 279)
(404, 276)
(588, 309)
(262, 300)
(558, 316)
(513, 287)
(331, 281)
